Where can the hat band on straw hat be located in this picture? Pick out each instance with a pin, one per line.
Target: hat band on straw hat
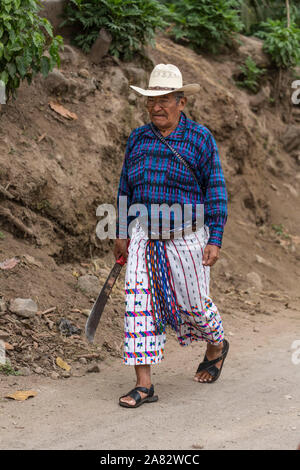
(161, 88)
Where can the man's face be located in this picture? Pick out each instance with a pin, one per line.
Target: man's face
(164, 111)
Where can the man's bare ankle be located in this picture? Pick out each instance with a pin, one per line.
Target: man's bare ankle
(214, 346)
(143, 384)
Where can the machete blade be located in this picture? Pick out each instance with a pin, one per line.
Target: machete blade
(98, 307)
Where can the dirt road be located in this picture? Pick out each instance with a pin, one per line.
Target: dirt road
(254, 405)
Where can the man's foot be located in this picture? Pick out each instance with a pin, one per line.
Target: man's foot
(212, 352)
(131, 400)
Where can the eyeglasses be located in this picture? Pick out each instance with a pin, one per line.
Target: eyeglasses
(162, 102)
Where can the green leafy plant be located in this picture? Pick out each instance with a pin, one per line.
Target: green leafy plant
(25, 38)
(279, 230)
(254, 12)
(251, 75)
(205, 25)
(131, 23)
(281, 42)
(2, 236)
(7, 369)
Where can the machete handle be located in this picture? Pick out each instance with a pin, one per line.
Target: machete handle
(121, 260)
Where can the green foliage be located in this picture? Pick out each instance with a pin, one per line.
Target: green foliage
(7, 369)
(251, 74)
(132, 23)
(279, 230)
(254, 12)
(205, 25)
(24, 39)
(43, 205)
(2, 236)
(281, 42)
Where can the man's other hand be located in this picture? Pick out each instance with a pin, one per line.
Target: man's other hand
(120, 248)
(210, 255)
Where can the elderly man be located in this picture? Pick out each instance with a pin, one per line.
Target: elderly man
(171, 160)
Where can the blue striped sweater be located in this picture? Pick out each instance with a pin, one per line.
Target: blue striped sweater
(152, 174)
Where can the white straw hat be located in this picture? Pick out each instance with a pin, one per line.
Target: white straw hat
(166, 78)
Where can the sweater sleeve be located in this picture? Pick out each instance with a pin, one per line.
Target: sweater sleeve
(215, 203)
(124, 189)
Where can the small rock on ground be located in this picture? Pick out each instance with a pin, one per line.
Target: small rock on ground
(89, 284)
(25, 371)
(93, 368)
(254, 280)
(23, 307)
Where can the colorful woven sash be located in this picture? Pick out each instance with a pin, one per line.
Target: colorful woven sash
(163, 298)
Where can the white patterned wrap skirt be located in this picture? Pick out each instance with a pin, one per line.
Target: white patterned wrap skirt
(201, 320)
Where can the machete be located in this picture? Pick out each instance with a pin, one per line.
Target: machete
(98, 307)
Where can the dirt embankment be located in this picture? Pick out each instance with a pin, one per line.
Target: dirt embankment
(56, 171)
